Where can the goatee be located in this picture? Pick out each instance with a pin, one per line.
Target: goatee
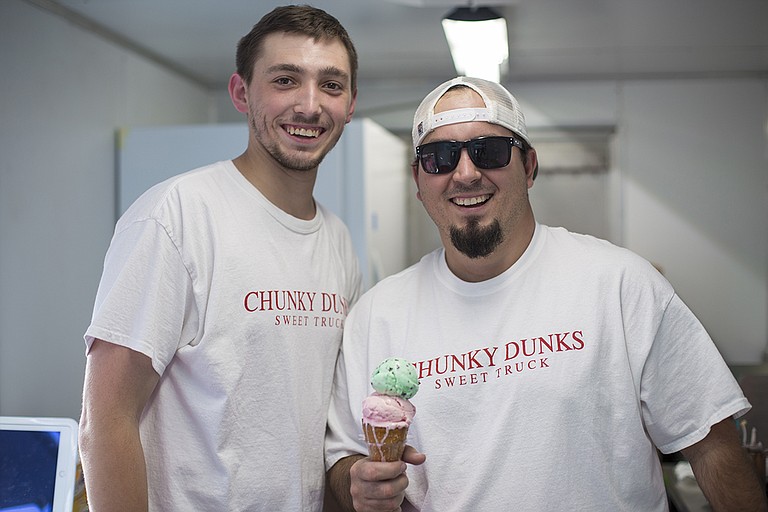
(476, 241)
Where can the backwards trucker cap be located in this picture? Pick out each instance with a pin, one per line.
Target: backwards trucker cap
(500, 108)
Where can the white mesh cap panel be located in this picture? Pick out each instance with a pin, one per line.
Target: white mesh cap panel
(501, 108)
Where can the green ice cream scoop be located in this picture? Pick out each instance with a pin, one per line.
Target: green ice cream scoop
(395, 377)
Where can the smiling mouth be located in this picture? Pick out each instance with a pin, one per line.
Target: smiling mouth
(311, 133)
(471, 201)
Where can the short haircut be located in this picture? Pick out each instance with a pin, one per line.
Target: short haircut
(294, 19)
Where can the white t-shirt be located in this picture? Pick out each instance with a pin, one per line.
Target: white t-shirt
(548, 387)
(240, 306)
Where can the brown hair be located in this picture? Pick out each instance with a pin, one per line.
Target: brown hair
(295, 19)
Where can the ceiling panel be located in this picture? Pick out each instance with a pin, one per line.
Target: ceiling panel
(402, 40)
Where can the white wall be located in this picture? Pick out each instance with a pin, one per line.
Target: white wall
(63, 93)
(693, 156)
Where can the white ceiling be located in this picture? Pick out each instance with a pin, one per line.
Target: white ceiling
(401, 41)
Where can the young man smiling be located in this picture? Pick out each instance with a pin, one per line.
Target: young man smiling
(196, 396)
(553, 365)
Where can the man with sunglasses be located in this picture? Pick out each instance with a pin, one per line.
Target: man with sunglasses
(553, 366)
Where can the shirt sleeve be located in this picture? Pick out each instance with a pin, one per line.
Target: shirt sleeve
(344, 434)
(686, 385)
(145, 299)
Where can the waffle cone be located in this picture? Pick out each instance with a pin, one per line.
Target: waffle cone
(385, 444)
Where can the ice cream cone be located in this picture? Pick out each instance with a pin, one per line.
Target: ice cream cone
(385, 444)
(388, 412)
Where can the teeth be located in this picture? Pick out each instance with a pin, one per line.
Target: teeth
(471, 201)
(304, 132)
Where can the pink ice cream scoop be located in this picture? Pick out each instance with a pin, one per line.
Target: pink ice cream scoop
(387, 411)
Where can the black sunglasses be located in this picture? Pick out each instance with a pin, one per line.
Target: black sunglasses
(443, 156)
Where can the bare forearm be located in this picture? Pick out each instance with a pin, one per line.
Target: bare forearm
(731, 485)
(725, 473)
(113, 468)
(339, 480)
(118, 383)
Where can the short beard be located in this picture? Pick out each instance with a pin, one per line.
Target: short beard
(293, 163)
(288, 162)
(475, 241)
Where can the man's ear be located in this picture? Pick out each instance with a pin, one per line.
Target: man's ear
(415, 173)
(352, 106)
(531, 166)
(238, 93)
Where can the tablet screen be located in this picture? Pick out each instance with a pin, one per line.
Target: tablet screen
(28, 469)
(37, 461)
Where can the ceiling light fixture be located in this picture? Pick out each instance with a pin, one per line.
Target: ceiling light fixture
(477, 38)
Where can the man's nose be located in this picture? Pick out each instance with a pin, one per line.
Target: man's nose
(308, 101)
(466, 170)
